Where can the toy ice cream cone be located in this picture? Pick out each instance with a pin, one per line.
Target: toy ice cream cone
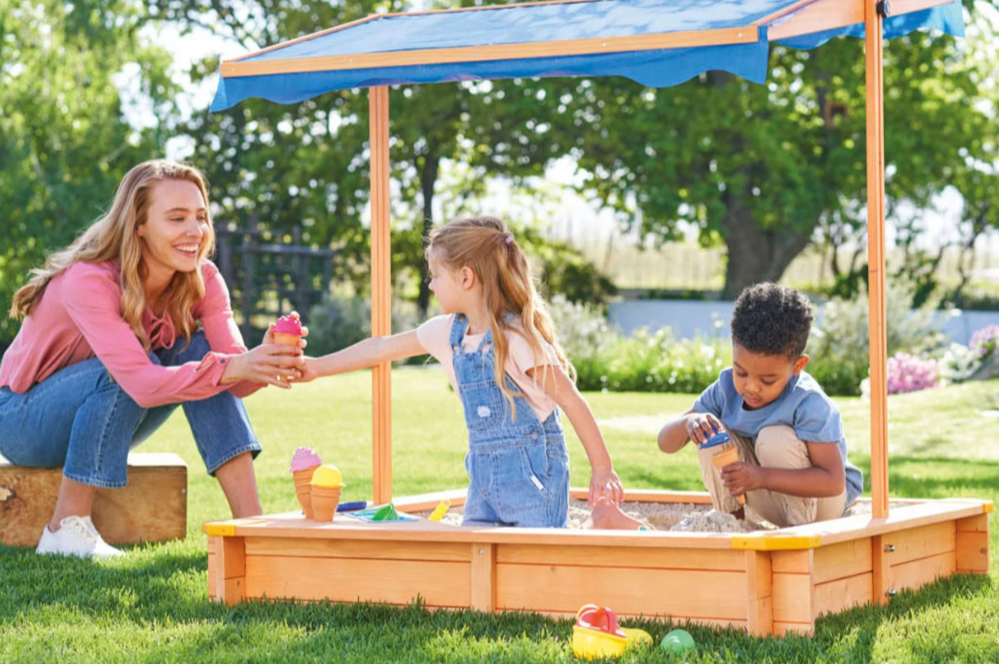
(723, 457)
(303, 464)
(327, 483)
(287, 331)
(324, 502)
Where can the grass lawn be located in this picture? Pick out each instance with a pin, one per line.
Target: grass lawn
(152, 606)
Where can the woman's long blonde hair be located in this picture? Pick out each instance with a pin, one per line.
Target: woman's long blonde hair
(484, 245)
(114, 237)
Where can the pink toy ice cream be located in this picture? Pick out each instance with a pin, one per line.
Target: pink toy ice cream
(287, 331)
(303, 464)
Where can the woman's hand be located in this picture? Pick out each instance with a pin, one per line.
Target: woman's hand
(605, 482)
(702, 425)
(273, 364)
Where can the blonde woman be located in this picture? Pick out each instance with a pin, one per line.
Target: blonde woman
(110, 345)
(502, 356)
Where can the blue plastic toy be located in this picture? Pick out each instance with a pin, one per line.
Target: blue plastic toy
(718, 438)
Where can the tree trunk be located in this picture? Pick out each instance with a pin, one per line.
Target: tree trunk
(428, 179)
(756, 254)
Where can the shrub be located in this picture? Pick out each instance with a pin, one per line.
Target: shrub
(647, 362)
(958, 363)
(983, 342)
(908, 373)
(839, 344)
(340, 322)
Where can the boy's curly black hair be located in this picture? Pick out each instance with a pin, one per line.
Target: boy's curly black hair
(772, 320)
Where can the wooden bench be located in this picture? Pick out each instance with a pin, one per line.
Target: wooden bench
(152, 508)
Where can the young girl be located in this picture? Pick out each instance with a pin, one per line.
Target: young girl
(502, 356)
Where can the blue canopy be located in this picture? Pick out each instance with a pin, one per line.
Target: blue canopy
(657, 43)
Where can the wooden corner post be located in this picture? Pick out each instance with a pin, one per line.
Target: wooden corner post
(876, 256)
(226, 569)
(381, 293)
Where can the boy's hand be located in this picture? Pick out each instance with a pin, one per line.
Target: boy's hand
(702, 425)
(605, 482)
(740, 477)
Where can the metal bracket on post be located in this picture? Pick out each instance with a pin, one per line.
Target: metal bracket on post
(884, 8)
(891, 592)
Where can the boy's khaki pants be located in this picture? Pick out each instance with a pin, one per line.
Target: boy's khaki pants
(776, 447)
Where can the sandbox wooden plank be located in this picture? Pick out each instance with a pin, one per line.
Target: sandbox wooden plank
(921, 542)
(917, 573)
(842, 594)
(442, 584)
(606, 556)
(793, 598)
(842, 560)
(564, 588)
(346, 548)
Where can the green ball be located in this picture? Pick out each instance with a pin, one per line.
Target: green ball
(678, 641)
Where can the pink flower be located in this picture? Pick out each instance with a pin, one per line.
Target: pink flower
(907, 373)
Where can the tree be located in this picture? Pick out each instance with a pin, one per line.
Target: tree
(759, 167)
(65, 141)
(307, 162)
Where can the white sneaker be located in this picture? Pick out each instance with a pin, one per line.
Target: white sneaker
(76, 537)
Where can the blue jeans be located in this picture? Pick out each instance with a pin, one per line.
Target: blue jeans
(83, 421)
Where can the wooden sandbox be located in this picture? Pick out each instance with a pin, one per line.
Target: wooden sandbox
(769, 582)
(766, 582)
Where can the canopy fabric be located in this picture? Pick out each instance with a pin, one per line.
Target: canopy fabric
(434, 47)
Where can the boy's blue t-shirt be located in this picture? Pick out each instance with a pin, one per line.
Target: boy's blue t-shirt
(803, 406)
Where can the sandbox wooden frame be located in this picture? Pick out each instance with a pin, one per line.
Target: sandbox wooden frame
(766, 583)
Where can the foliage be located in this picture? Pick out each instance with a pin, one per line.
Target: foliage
(65, 138)
(759, 167)
(959, 363)
(839, 345)
(307, 162)
(645, 362)
(342, 321)
(984, 341)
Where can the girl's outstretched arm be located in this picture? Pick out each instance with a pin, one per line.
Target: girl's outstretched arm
(363, 354)
(563, 391)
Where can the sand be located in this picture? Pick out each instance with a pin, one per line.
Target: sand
(684, 517)
(676, 517)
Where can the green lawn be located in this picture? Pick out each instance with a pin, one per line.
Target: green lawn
(152, 606)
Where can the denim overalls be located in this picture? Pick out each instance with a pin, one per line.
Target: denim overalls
(519, 471)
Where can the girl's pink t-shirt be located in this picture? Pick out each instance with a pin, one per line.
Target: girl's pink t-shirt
(79, 317)
(435, 337)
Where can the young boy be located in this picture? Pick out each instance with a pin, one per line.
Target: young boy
(793, 467)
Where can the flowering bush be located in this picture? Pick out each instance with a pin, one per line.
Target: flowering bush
(839, 344)
(959, 363)
(908, 373)
(984, 341)
(646, 362)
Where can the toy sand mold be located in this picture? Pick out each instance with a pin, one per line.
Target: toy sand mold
(770, 582)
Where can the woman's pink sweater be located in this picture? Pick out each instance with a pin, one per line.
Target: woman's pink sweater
(79, 317)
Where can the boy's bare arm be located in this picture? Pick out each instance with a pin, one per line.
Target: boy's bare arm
(691, 426)
(673, 435)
